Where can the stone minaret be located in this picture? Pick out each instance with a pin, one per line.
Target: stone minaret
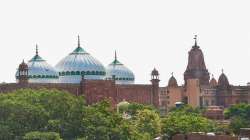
(23, 76)
(155, 87)
(196, 68)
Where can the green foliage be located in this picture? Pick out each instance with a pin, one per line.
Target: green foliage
(36, 135)
(133, 108)
(185, 120)
(187, 109)
(239, 115)
(148, 122)
(239, 110)
(28, 110)
(104, 123)
(51, 114)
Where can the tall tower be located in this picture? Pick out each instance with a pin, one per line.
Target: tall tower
(196, 68)
(22, 76)
(155, 87)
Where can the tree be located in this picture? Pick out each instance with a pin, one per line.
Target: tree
(27, 110)
(104, 123)
(185, 120)
(133, 108)
(239, 115)
(42, 136)
(148, 122)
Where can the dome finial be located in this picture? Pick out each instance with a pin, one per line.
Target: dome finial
(195, 38)
(115, 56)
(222, 70)
(172, 73)
(36, 49)
(78, 39)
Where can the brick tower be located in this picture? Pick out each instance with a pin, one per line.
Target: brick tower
(155, 87)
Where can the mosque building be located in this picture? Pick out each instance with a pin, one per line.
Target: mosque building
(81, 74)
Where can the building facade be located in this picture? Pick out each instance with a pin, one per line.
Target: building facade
(81, 74)
(199, 90)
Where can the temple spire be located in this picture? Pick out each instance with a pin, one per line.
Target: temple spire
(36, 49)
(78, 39)
(195, 38)
(172, 73)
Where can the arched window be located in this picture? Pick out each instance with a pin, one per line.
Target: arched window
(73, 73)
(67, 73)
(82, 72)
(88, 72)
(78, 73)
(93, 73)
(97, 73)
(63, 73)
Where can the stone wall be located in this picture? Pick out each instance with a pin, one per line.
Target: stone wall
(72, 88)
(135, 93)
(94, 90)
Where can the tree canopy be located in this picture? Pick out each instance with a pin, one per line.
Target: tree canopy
(185, 120)
(51, 114)
(23, 111)
(239, 115)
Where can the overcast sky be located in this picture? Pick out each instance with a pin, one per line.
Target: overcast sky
(145, 33)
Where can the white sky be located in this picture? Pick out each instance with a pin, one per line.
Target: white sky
(145, 33)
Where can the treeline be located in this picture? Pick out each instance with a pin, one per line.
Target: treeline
(54, 115)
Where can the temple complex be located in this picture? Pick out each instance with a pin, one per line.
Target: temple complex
(81, 74)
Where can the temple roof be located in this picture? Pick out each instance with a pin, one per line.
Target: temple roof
(223, 80)
(172, 82)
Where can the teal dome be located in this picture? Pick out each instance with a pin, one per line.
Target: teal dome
(120, 72)
(39, 71)
(78, 63)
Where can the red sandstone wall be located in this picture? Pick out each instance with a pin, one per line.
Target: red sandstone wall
(72, 88)
(95, 90)
(134, 93)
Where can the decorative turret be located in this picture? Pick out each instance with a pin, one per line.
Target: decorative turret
(154, 74)
(23, 74)
(213, 82)
(172, 82)
(196, 68)
(223, 81)
(155, 87)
